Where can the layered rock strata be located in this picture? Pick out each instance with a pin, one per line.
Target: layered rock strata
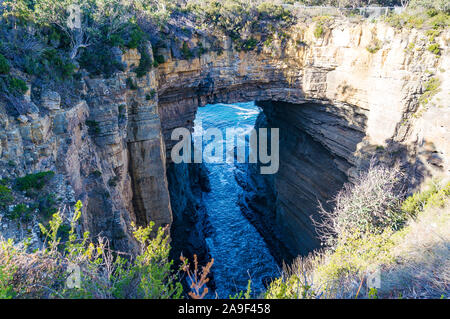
(338, 101)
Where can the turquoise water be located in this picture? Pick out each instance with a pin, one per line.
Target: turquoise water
(239, 251)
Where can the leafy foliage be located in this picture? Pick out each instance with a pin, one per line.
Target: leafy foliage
(101, 273)
(431, 87)
(5, 196)
(4, 65)
(370, 205)
(433, 196)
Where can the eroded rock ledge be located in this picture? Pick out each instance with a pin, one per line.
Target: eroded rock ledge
(337, 102)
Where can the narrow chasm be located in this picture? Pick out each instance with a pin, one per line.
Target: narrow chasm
(208, 219)
(252, 223)
(317, 143)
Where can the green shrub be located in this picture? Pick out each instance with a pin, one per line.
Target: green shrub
(374, 46)
(102, 273)
(246, 45)
(432, 34)
(369, 205)
(321, 22)
(201, 49)
(122, 112)
(94, 127)
(17, 86)
(158, 59)
(137, 37)
(59, 65)
(270, 11)
(440, 21)
(4, 65)
(432, 196)
(20, 212)
(47, 206)
(99, 60)
(116, 40)
(150, 95)
(432, 86)
(113, 181)
(359, 253)
(145, 63)
(434, 48)
(5, 196)
(34, 181)
(436, 19)
(186, 52)
(131, 84)
(96, 173)
(6, 277)
(318, 30)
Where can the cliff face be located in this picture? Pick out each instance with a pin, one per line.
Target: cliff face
(336, 104)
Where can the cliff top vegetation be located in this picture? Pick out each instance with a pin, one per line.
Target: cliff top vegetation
(42, 42)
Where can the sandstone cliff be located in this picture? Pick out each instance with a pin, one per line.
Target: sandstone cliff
(338, 102)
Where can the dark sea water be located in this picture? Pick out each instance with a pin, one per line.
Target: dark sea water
(239, 251)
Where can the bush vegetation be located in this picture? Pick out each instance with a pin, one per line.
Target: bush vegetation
(34, 181)
(321, 25)
(4, 65)
(417, 17)
(374, 46)
(80, 268)
(410, 256)
(5, 196)
(369, 206)
(431, 87)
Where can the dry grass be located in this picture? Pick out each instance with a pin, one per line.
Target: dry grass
(34, 275)
(423, 258)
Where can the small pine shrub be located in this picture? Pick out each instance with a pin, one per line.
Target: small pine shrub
(319, 29)
(432, 86)
(136, 37)
(145, 64)
(157, 60)
(131, 84)
(113, 181)
(58, 64)
(246, 45)
(150, 95)
(374, 46)
(34, 181)
(434, 48)
(17, 86)
(6, 197)
(96, 173)
(4, 65)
